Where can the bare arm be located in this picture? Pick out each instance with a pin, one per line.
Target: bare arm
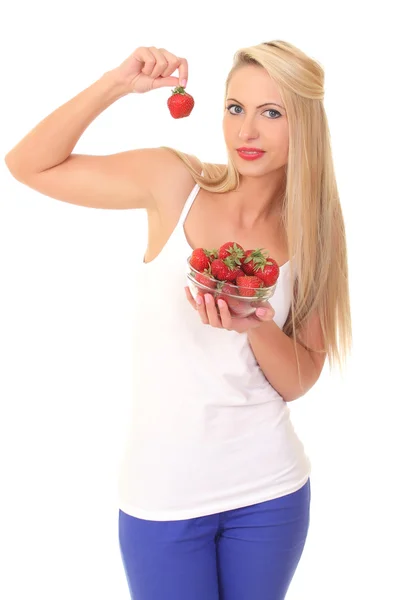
(116, 181)
(275, 353)
(43, 159)
(54, 138)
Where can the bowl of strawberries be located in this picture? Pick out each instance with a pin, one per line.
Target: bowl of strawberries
(244, 279)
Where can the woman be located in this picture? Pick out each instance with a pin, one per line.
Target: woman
(215, 485)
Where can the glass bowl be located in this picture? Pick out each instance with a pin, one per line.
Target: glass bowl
(240, 305)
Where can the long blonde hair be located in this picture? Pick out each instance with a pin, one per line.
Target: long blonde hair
(311, 208)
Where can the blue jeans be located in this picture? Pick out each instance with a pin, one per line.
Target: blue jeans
(249, 553)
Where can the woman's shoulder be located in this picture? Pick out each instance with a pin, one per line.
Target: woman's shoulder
(206, 166)
(181, 172)
(186, 163)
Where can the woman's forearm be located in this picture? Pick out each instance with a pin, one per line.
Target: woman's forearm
(275, 353)
(54, 138)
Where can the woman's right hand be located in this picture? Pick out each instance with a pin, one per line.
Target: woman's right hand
(151, 68)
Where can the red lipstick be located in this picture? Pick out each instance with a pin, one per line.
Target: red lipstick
(250, 153)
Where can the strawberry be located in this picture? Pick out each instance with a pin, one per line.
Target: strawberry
(201, 259)
(237, 307)
(269, 273)
(254, 260)
(228, 288)
(224, 270)
(180, 103)
(205, 279)
(248, 285)
(239, 273)
(232, 251)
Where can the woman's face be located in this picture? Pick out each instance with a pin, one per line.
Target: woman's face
(248, 124)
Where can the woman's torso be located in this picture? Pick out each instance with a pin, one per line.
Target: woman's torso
(208, 432)
(208, 225)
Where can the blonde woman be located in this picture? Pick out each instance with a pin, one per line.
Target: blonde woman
(215, 484)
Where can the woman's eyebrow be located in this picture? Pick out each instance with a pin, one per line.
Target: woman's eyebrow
(261, 105)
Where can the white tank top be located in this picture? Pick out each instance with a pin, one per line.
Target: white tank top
(208, 432)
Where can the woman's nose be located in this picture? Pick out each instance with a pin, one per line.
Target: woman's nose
(248, 130)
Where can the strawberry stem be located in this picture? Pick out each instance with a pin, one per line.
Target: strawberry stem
(179, 90)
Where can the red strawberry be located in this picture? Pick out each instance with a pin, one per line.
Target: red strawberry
(248, 284)
(229, 288)
(239, 273)
(232, 251)
(224, 289)
(236, 306)
(206, 279)
(201, 259)
(254, 260)
(269, 273)
(223, 270)
(180, 104)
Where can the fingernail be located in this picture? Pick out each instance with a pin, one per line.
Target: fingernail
(198, 299)
(183, 83)
(264, 312)
(208, 298)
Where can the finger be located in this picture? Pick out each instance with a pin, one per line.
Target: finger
(149, 60)
(173, 63)
(161, 82)
(225, 315)
(161, 62)
(202, 310)
(265, 313)
(190, 298)
(211, 309)
(183, 71)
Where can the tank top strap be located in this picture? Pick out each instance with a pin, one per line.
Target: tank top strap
(188, 204)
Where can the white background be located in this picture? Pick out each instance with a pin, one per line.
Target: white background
(68, 289)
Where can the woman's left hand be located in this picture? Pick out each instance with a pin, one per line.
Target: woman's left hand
(208, 314)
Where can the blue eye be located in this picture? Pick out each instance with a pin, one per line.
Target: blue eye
(270, 110)
(233, 106)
